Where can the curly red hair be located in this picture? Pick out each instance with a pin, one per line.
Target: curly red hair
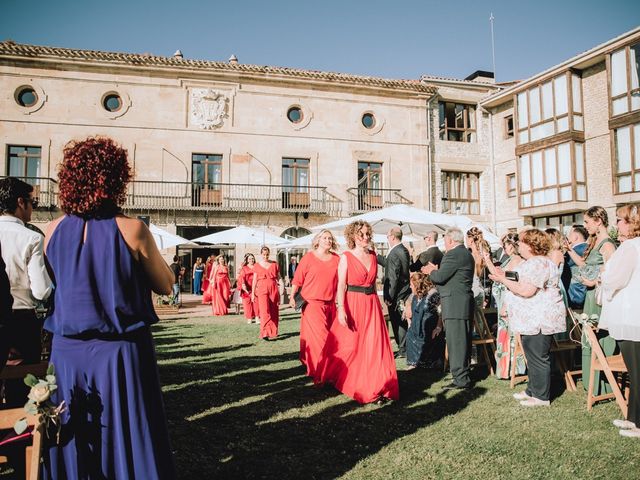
(93, 177)
(539, 242)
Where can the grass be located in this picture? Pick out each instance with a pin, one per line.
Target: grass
(239, 407)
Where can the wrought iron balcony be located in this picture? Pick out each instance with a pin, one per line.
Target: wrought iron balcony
(44, 189)
(363, 200)
(237, 197)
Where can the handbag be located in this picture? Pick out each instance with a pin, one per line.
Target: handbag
(300, 301)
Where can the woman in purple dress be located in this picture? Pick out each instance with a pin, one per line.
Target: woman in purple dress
(105, 266)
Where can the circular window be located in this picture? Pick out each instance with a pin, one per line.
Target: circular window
(294, 114)
(368, 120)
(26, 97)
(112, 102)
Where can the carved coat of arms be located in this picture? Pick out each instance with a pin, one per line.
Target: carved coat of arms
(208, 108)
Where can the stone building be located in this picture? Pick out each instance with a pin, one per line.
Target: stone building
(219, 144)
(567, 138)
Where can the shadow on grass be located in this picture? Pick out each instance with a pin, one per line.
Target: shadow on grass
(257, 416)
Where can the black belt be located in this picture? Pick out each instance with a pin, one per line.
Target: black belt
(368, 290)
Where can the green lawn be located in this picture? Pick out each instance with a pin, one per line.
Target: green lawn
(239, 407)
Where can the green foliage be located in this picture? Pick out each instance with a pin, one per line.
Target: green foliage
(30, 380)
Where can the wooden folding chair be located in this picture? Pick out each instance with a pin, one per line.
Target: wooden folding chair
(485, 339)
(33, 452)
(611, 365)
(517, 351)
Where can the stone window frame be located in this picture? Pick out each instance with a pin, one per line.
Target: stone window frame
(307, 115)
(573, 118)
(577, 182)
(630, 93)
(26, 155)
(512, 185)
(124, 98)
(377, 126)
(40, 93)
(468, 128)
(509, 130)
(452, 178)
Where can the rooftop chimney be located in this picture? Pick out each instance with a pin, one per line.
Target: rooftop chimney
(178, 54)
(233, 59)
(481, 76)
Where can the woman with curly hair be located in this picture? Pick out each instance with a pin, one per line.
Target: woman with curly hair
(220, 286)
(424, 345)
(481, 281)
(620, 306)
(535, 310)
(357, 358)
(105, 266)
(316, 277)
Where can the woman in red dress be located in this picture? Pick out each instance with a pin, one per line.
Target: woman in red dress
(220, 287)
(357, 358)
(245, 284)
(206, 292)
(317, 279)
(265, 289)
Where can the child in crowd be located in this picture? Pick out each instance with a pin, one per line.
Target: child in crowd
(424, 343)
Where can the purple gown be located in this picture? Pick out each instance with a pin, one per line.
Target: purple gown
(103, 353)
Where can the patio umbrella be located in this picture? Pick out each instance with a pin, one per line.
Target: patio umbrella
(305, 242)
(242, 235)
(165, 239)
(411, 220)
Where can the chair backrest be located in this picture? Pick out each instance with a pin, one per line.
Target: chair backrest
(8, 419)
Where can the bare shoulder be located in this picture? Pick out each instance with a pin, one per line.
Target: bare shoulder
(134, 231)
(50, 228)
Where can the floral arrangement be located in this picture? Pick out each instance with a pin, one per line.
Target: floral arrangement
(40, 403)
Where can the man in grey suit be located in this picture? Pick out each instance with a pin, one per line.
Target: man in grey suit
(396, 285)
(453, 279)
(431, 255)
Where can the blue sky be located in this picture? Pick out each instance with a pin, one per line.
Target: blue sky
(393, 39)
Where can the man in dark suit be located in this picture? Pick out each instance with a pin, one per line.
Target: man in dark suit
(396, 285)
(431, 255)
(293, 265)
(453, 279)
(6, 302)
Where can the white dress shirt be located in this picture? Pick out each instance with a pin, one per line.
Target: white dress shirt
(621, 292)
(22, 252)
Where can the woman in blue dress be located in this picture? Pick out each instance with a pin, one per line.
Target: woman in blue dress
(105, 266)
(198, 271)
(424, 346)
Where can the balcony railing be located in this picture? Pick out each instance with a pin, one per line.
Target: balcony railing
(44, 189)
(363, 200)
(148, 195)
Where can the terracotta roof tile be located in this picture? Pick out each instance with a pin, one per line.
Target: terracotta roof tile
(12, 49)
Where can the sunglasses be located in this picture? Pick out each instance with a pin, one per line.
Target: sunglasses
(34, 201)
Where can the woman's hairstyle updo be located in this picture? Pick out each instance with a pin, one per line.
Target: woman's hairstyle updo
(352, 230)
(596, 213)
(510, 239)
(93, 178)
(629, 213)
(539, 242)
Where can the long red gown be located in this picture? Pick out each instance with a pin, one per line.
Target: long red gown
(268, 298)
(318, 281)
(221, 291)
(358, 360)
(245, 279)
(206, 291)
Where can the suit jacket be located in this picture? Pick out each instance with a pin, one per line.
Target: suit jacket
(453, 280)
(6, 302)
(396, 274)
(432, 254)
(292, 270)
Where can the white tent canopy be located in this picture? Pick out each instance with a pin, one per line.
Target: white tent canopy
(165, 239)
(305, 242)
(242, 235)
(411, 220)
